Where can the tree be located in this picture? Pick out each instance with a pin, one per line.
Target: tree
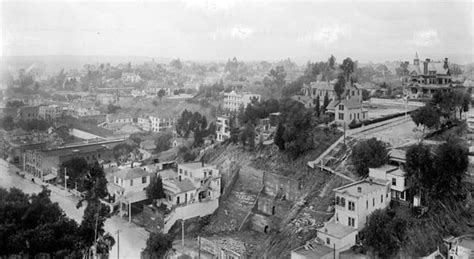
(32, 224)
(317, 107)
(365, 95)
(426, 116)
(8, 123)
(419, 166)
(112, 108)
(158, 244)
(332, 62)
(340, 86)
(348, 67)
(76, 170)
(15, 104)
(163, 141)
(176, 63)
(325, 102)
(384, 233)
(279, 140)
(402, 70)
(161, 93)
(155, 190)
(450, 164)
(370, 153)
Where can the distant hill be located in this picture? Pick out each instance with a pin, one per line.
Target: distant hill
(53, 64)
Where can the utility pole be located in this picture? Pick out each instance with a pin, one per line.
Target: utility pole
(344, 133)
(182, 232)
(65, 181)
(118, 244)
(199, 251)
(334, 251)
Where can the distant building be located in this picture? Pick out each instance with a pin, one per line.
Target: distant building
(427, 77)
(159, 124)
(41, 163)
(119, 118)
(311, 92)
(27, 113)
(233, 101)
(50, 112)
(131, 77)
(354, 203)
(222, 128)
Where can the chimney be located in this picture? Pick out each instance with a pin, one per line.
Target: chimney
(359, 189)
(425, 66)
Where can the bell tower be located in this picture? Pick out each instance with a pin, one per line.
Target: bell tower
(416, 61)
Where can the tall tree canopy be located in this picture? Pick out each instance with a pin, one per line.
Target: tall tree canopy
(427, 116)
(347, 67)
(384, 233)
(370, 153)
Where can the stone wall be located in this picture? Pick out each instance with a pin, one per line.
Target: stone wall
(288, 188)
(263, 223)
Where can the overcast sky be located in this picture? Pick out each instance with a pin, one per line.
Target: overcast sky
(218, 29)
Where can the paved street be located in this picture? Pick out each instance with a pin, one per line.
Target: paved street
(132, 237)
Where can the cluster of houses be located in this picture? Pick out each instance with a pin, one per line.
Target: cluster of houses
(191, 190)
(354, 203)
(346, 109)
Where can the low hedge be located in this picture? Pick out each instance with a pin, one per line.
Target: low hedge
(369, 122)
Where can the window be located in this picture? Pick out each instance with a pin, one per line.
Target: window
(341, 116)
(144, 179)
(351, 205)
(350, 222)
(328, 240)
(373, 202)
(180, 171)
(341, 107)
(394, 181)
(337, 200)
(381, 198)
(131, 182)
(343, 202)
(402, 195)
(367, 204)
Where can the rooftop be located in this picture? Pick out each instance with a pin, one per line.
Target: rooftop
(336, 230)
(386, 168)
(131, 173)
(398, 172)
(313, 250)
(66, 151)
(366, 186)
(185, 185)
(195, 165)
(397, 154)
(166, 174)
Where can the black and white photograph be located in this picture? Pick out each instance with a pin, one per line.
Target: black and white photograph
(236, 129)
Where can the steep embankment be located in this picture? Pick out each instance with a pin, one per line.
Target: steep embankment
(243, 176)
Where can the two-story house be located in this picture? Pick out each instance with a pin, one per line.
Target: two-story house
(354, 203)
(395, 173)
(347, 110)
